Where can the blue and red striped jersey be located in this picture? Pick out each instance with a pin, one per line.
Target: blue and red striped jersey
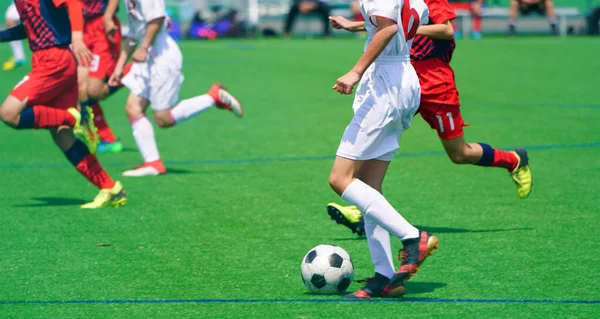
(94, 8)
(424, 48)
(46, 23)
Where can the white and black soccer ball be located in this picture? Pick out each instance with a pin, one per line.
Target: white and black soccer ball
(327, 269)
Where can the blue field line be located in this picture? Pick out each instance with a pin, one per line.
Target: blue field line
(231, 301)
(287, 159)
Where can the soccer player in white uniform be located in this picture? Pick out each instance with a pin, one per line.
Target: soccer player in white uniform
(387, 97)
(155, 79)
(18, 58)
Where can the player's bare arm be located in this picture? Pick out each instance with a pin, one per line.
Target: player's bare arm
(81, 52)
(13, 34)
(110, 27)
(341, 23)
(441, 31)
(386, 29)
(154, 26)
(126, 53)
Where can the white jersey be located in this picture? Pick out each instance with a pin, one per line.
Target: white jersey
(405, 13)
(159, 78)
(12, 13)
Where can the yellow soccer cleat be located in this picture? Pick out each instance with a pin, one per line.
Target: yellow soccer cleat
(12, 64)
(84, 128)
(522, 174)
(349, 216)
(110, 197)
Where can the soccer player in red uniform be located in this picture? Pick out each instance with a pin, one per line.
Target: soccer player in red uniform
(431, 53)
(46, 97)
(102, 35)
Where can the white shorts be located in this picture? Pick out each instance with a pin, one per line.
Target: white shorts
(12, 13)
(159, 79)
(386, 100)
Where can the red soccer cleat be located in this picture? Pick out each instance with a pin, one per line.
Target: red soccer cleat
(411, 256)
(375, 287)
(224, 99)
(147, 169)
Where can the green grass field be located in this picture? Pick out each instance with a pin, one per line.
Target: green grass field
(225, 231)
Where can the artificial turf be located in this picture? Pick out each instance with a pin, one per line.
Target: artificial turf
(224, 232)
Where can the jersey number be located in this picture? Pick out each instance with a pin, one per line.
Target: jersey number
(407, 13)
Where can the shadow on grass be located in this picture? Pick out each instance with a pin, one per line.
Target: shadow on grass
(451, 230)
(412, 288)
(54, 201)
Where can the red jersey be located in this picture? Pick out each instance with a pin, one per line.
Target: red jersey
(46, 23)
(94, 8)
(424, 48)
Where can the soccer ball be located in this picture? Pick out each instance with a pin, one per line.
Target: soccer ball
(327, 270)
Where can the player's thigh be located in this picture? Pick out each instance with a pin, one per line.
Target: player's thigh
(373, 172)
(97, 89)
(165, 85)
(445, 119)
(136, 106)
(12, 16)
(82, 82)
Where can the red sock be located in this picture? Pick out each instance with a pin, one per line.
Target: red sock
(91, 169)
(104, 131)
(505, 159)
(44, 117)
(477, 23)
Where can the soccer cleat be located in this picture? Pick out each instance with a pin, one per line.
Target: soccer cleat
(522, 174)
(109, 197)
(12, 64)
(411, 256)
(84, 128)
(375, 287)
(110, 147)
(224, 99)
(349, 216)
(476, 35)
(147, 169)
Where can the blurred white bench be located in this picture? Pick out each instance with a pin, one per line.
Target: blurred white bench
(562, 14)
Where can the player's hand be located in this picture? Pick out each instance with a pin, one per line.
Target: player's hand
(140, 55)
(346, 83)
(80, 51)
(110, 27)
(339, 23)
(115, 78)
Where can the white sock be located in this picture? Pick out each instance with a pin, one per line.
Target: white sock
(377, 209)
(143, 133)
(189, 108)
(380, 248)
(17, 49)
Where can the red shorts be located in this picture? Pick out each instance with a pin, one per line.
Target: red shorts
(52, 80)
(440, 105)
(105, 53)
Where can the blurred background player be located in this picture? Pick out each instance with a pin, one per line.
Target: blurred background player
(475, 7)
(102, 35)
(318, 7)
(18, 54)
(525, 7)
(46, 97)
(431, 52)
(155, 79)
(387, 97)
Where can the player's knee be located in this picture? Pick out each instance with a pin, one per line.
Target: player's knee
(338, 182)
(96, 91)
(457, 157)
(163, 119)
(133, 111)
(9, 117)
